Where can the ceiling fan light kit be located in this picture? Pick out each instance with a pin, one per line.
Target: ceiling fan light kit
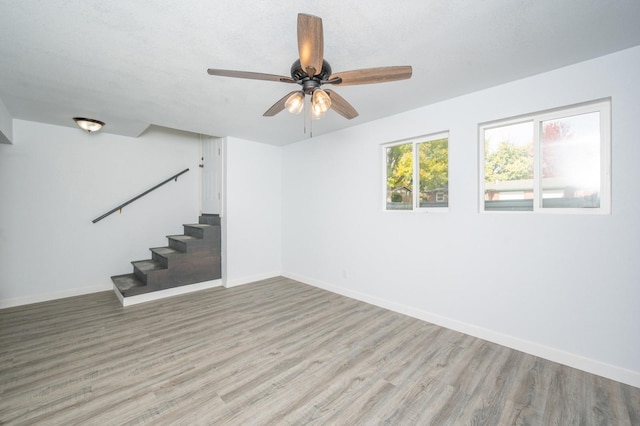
(311, 71)
(88, 124)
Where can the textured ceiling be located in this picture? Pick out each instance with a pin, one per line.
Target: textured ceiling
(139, 63)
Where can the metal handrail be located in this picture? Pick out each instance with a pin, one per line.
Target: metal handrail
(121, 206)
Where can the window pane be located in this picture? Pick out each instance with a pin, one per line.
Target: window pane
(434, 173)
(508, 167)
(571, 161)
(400, 177)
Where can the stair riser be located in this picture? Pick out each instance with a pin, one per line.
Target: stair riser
(142, 276)
(194, 232)
(178, 245)
(193, 246)
(177, 259)
(209, 219)
(153, 279)
(205, 233)
(164, 261)
(195, 269)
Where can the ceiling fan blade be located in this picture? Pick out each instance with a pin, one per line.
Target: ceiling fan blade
(310, 43)
(372, 75)
(250, 75)
(278, 106)
(341, 106)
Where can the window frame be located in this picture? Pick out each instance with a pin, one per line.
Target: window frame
(415, 189)
(603, 107)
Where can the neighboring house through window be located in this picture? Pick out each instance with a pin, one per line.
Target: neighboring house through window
(556, 161)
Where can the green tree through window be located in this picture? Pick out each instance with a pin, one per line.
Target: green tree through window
(400, 166)
(434, 171)
(509, 162)
(417, 173)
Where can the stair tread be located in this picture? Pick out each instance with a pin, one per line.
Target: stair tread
(182, 237)
(126, 282)
(164, 251)
(147, 265)
(199, 225)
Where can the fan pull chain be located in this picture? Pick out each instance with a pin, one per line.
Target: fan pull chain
(304, 115)
(310, 119)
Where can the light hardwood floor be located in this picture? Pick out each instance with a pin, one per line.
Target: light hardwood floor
(277, 352)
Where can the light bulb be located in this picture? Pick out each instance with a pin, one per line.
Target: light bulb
(316, 112)
(321, 100)
(295, 103)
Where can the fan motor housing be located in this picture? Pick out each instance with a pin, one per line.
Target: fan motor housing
(298, 74)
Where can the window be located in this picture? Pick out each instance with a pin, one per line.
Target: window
(417, 174)
(557, 161)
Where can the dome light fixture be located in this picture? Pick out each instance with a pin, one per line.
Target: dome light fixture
(88, 124)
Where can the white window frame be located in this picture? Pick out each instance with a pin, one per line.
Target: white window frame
(415, 190)
(602, 106)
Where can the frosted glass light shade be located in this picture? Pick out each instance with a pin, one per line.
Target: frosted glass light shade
(321, 101)
(295, 103)
(88, 124)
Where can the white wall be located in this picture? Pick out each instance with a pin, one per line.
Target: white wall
(6, 124)
(55, 180)
(565, 287)
(253, 211)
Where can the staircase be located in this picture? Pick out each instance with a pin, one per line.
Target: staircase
(190, 258)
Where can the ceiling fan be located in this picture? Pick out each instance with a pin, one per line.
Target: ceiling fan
(311, 72)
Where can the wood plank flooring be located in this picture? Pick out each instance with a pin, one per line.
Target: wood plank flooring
(277, 352)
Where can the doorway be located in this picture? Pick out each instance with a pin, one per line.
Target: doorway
(212, 175)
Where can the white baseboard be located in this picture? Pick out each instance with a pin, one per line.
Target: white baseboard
(251, 279)
(609, 371)
(161, 294)
(19, 301)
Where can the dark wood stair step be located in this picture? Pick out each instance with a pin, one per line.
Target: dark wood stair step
(198, 230)
(164, 251)
(129, 284)
(162, 255)
(148, 271)
(182, 237)
(181, 242)
(146, 266)
(211, 219)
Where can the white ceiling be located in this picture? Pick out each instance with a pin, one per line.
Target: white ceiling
(138, 63)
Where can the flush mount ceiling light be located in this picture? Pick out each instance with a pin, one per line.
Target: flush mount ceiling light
(88, 124)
